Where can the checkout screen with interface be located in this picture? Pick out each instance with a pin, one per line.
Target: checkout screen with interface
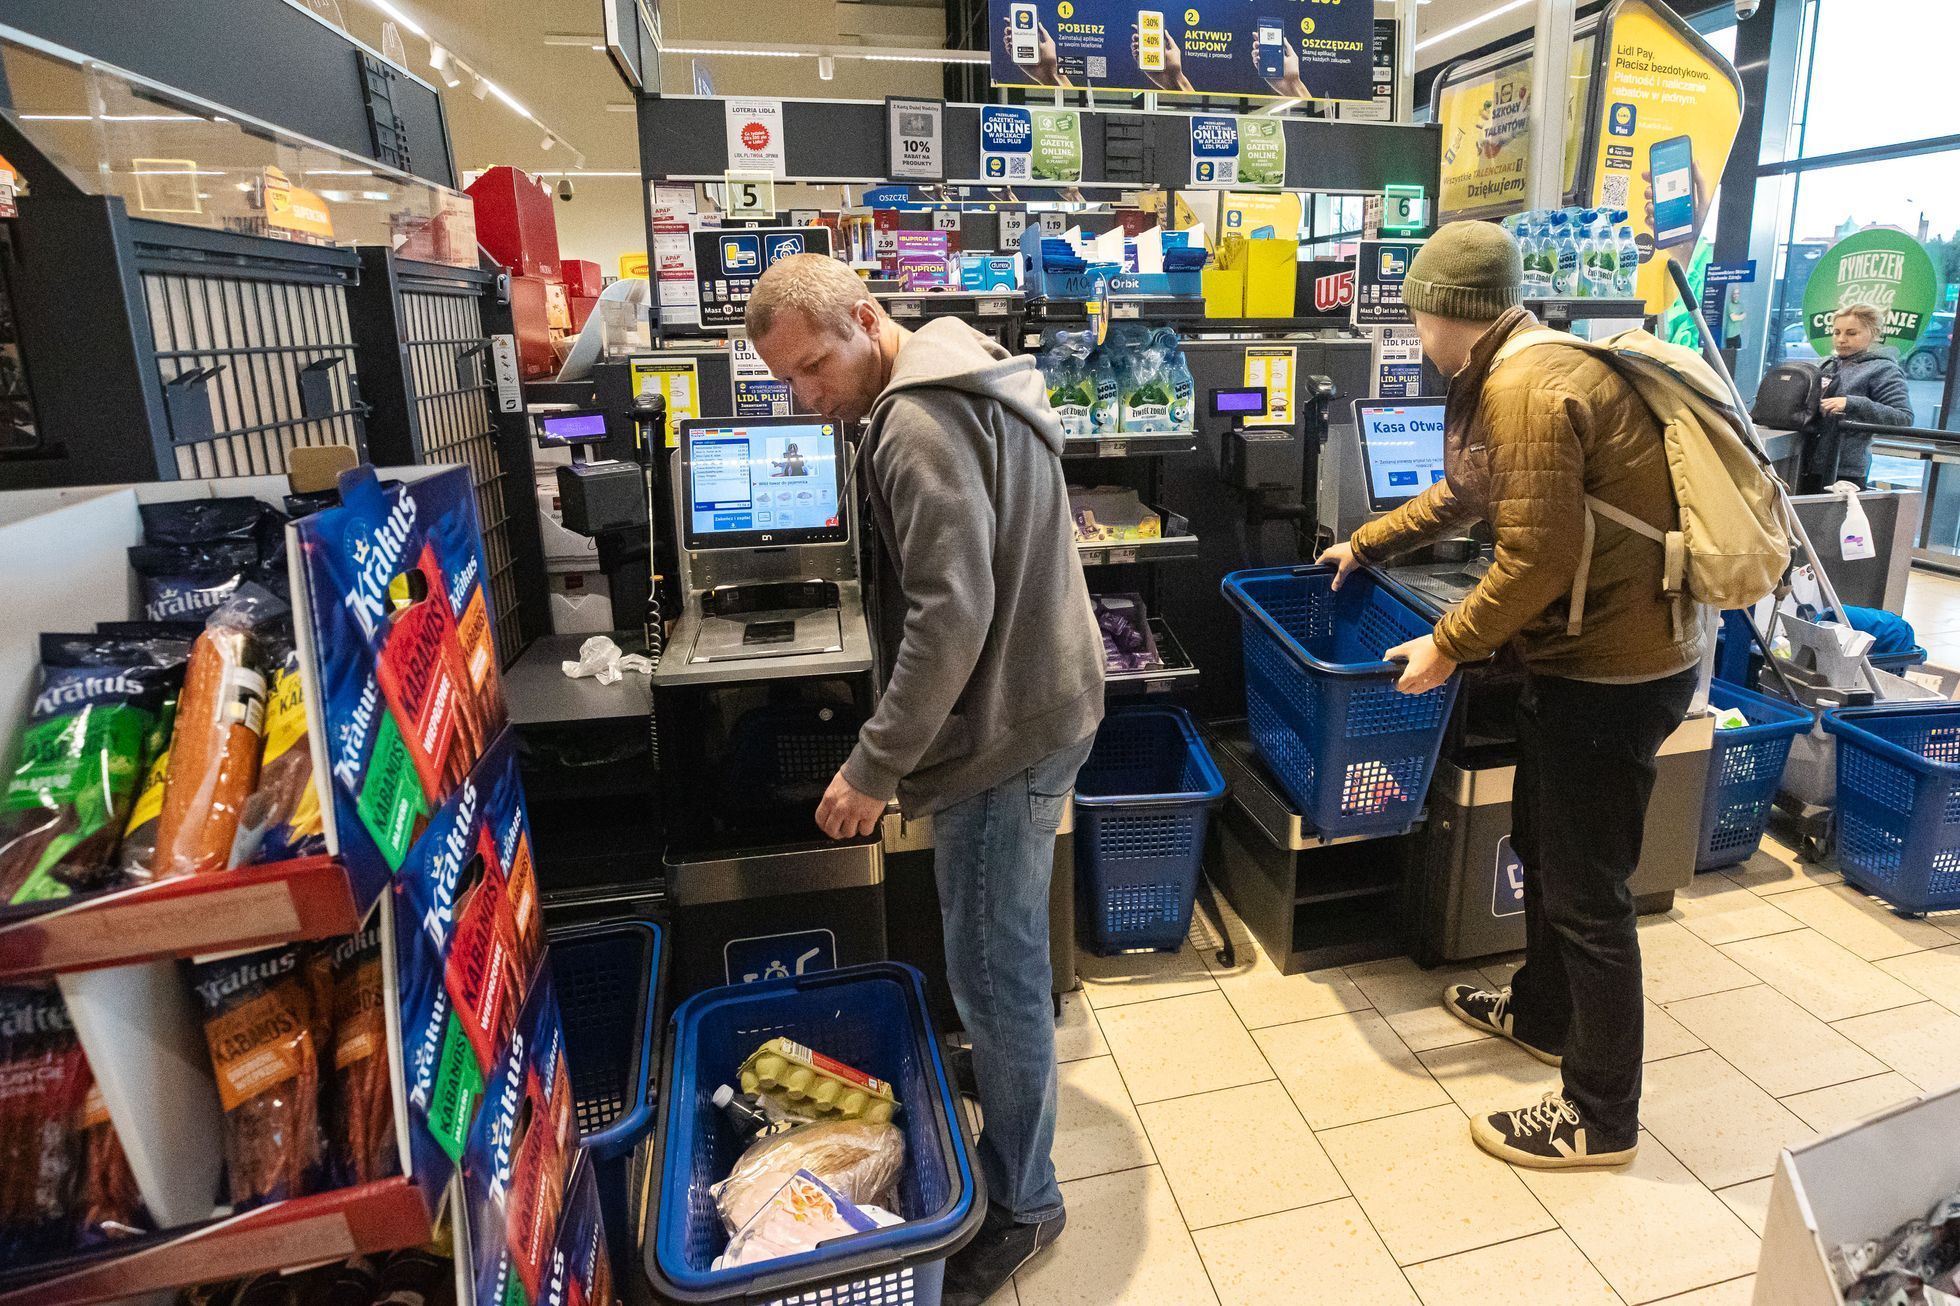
(1403, 445)
(777, 479)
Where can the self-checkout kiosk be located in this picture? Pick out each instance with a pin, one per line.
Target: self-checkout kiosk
(764, 681)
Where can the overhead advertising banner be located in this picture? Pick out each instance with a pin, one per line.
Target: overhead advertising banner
(1669, 108)
(1030, 145)
(1229, 151)
(915, 145)
(1272, 49)
(1883, 267)
(1485, 114)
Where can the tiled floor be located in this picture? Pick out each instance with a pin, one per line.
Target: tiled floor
(1240, 1137)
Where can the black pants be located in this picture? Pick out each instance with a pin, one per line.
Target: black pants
(1585, 773)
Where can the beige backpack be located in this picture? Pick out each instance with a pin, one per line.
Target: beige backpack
(1733, 544)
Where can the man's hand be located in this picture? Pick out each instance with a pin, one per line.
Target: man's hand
(1288, 82)
(1701, 208)
(1834, 405)
(1047, 67)
(845, 813)
(1341, 556)
(1427, 667)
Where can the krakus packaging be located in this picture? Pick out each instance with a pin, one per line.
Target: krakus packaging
(519, 1157)
(401, 645)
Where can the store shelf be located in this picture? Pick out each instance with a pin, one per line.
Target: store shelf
(973, 305)
(1562, 311)
(1178, 671)
(373, 1218)
(251, 907)
(1133, 444)
(1179, 544)
(1122, 308)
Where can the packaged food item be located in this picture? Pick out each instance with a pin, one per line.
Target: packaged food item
(258, 1024)
(109, 1205)
(139, 841)
(1064, 366)
(445, 1079)
(746, 1114)
(425, 682)
(363, 1137)
(511, 827)
(458, 554)
(1128, 644)
(367, 750)
(810, 1083)
(282, 819)
(43, 1079)
(203, 521)
(79, 760)
(802, 1214)
(857, 1158)
(215, 749)
(184, 581)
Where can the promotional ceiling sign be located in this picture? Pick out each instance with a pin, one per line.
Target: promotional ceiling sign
(1006, 143)
(755, 136)
(1669, 108)
(915, 146)
(1485, 109)
(1231, 151)
(1272, 49)
(1883, 267)
(1057, 145)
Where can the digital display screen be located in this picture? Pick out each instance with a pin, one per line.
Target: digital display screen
(1227, 403)
(1671, 165)
(1402, 448)
(756, 483)
(571, 428)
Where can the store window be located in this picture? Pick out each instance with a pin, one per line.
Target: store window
(1879, 72)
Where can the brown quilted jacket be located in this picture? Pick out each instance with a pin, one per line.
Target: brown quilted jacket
(1523, 447)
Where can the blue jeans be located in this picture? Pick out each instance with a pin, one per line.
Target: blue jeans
(993, 855)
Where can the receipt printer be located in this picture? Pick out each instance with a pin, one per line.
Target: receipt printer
(603, 496)
(1255, 457)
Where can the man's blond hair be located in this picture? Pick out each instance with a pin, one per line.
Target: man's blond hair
(816, 285)
(1873, 320)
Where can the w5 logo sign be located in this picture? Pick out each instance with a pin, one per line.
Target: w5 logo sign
(1331, 294)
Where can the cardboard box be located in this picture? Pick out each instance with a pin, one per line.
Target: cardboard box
(1861, 1182)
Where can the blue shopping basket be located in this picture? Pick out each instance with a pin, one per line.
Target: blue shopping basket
(1142, 802)
(611, 979)
(1352, 752)
(872, 1017)
(1743, 773)
(1898, 802)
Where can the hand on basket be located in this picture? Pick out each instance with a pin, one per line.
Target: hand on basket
(845, 813)
(1341, 556)
(1427, 667)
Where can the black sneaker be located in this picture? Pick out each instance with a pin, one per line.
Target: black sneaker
(1490, 1011)
(983, 1267)
(1549, 1136)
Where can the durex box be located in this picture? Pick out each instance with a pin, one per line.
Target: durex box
(984, 272)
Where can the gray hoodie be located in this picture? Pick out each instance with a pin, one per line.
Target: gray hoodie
(992, 654)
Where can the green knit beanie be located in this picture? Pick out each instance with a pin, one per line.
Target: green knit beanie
(1469, 270)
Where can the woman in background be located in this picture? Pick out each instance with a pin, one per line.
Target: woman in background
(1861, 384)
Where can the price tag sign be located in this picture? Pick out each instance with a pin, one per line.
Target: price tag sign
(993, 307)
(1119, 556)
(748, 194)
(905, 308)
(945, 219)
(1012, 224)
(1120, 309)
(1054, 224)
(1094, 557)
(915, 148)
(1115, 448)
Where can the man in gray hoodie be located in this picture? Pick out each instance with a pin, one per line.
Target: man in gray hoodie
(993, 683)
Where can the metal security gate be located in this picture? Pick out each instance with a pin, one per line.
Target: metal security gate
(425, 360)
(253, 349)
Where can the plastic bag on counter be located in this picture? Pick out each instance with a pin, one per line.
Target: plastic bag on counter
(259, 1026)
(798, 1217)
(216, 746)
(79, 761)
(605, 661)
(856, 1158)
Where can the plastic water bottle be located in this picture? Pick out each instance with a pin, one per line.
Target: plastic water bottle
(1626, 270)
(1600, 255)
(1565, 279)
(1535, 247)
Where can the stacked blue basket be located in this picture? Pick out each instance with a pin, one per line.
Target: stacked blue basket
(1142, 804)
(1352, 752)
(871, 1017)
(1898, 792)
(1743, 773)
(611, 983)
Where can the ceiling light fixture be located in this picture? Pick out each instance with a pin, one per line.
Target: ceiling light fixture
(400, 17)
(444, 66)
(1472, 25)
(547, 142)
(826, 67)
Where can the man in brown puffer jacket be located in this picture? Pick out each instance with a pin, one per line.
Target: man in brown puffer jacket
(1526, 441)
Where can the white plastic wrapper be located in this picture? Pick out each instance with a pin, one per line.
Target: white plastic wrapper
(604, 660)
(800, 1216)
(857, 1158)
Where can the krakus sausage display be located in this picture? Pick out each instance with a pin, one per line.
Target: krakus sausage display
(264, 857)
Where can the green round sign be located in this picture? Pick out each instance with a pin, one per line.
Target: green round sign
(1883, 267)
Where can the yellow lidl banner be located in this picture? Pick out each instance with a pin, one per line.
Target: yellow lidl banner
(1485, 114)
(1669, 109)
(291, 208)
